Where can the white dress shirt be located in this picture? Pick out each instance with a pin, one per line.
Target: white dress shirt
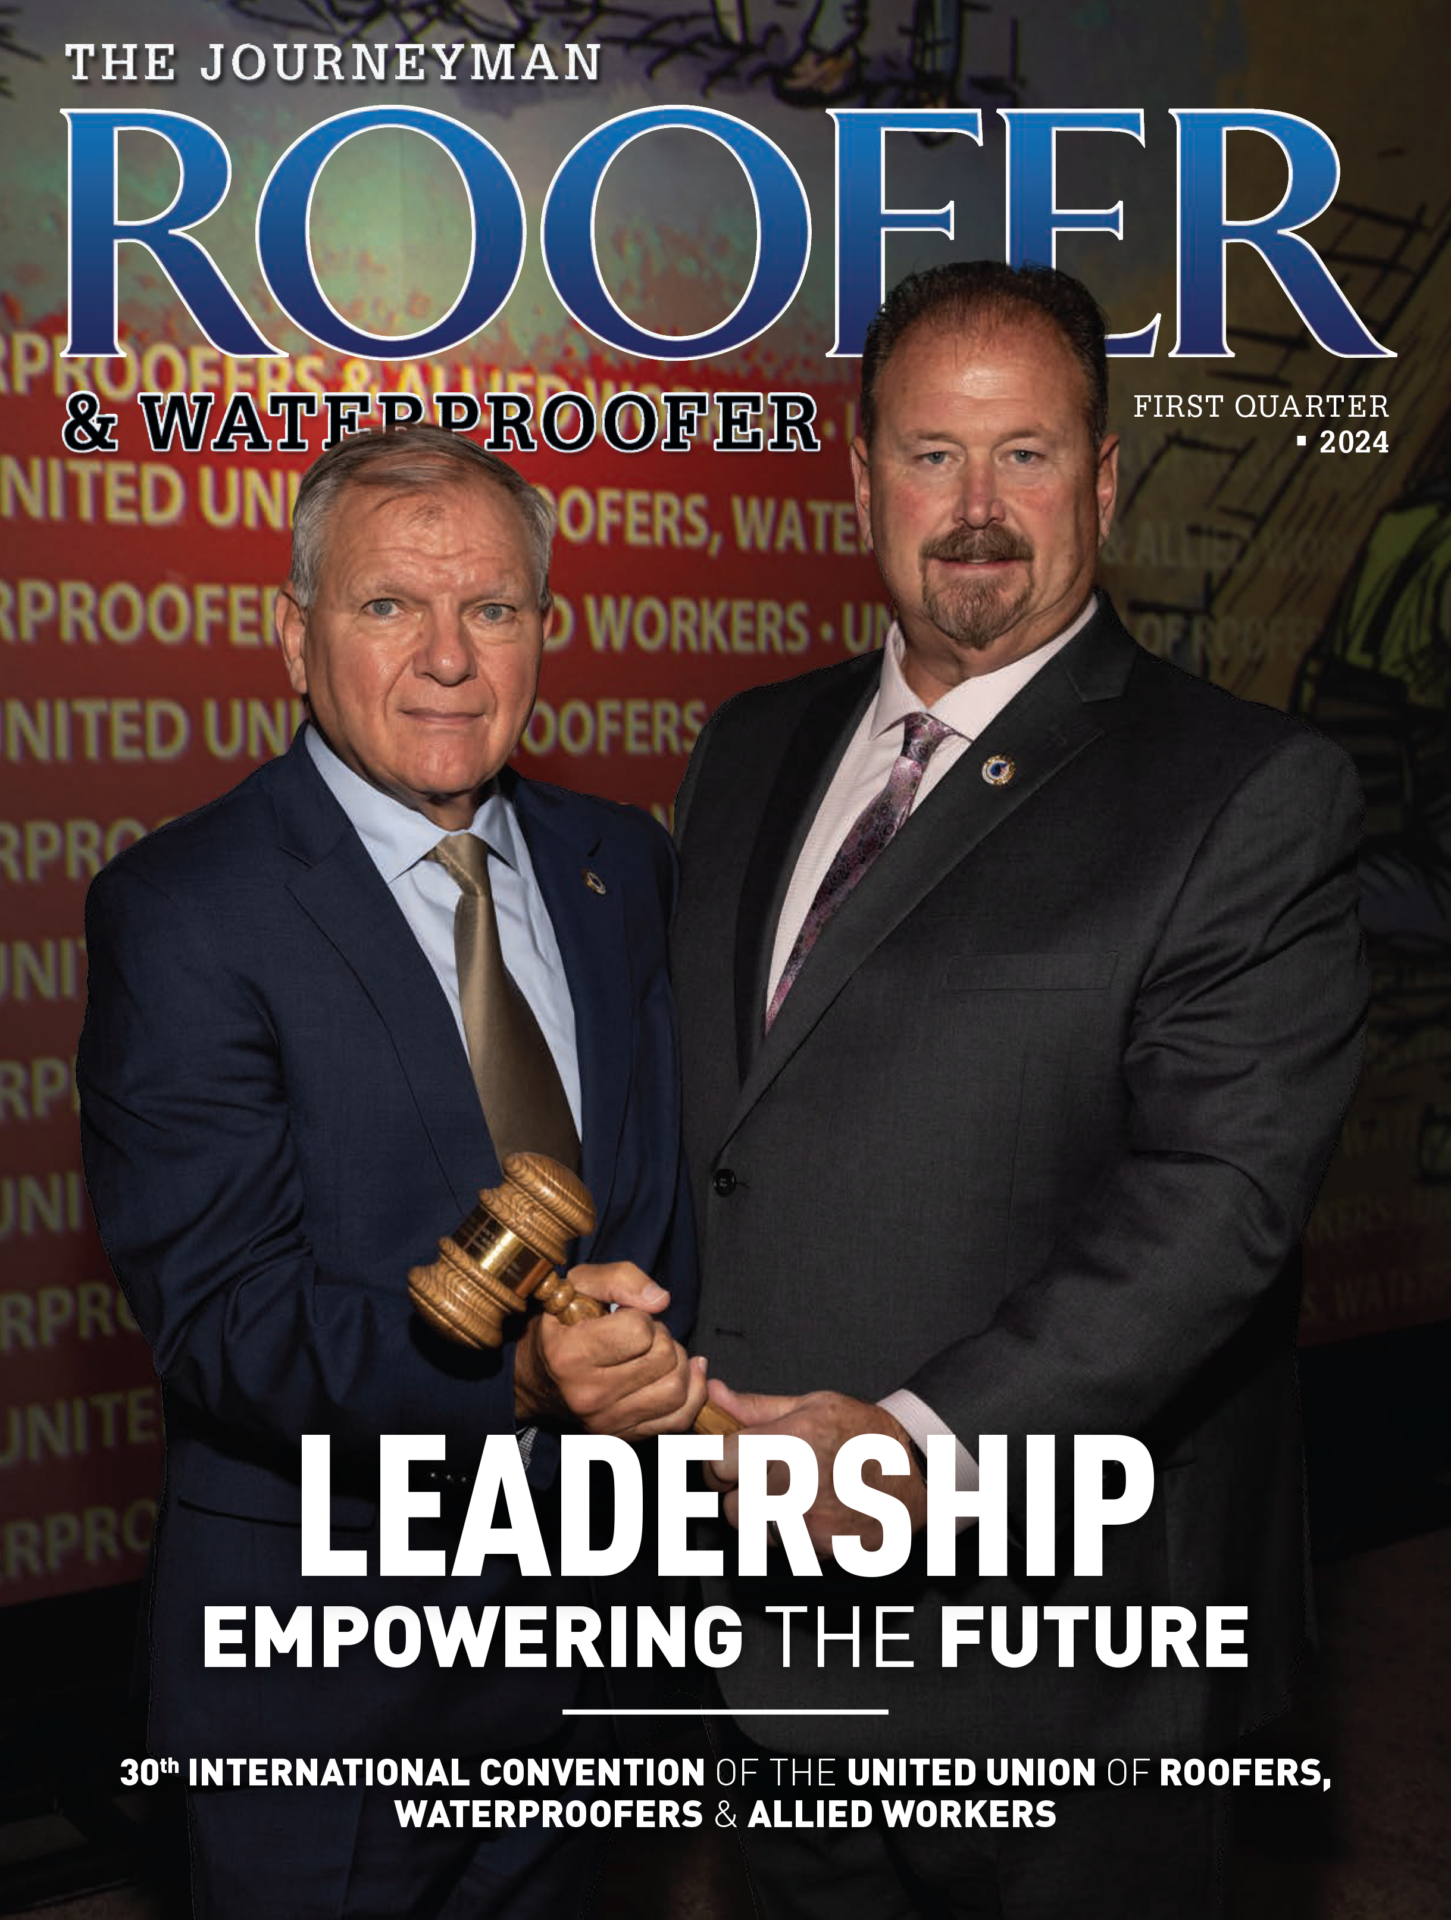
(969, 709)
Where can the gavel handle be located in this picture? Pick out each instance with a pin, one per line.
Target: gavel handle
(714, 1419)
(569, 1307)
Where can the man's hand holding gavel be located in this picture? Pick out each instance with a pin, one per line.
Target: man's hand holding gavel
(623, 1374)
(619, 1372)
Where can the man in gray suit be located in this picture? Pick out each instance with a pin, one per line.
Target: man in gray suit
(1021, 995)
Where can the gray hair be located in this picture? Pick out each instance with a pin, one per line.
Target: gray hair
(400, 459)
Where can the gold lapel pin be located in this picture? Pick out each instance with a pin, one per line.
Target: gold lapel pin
(592, 880)
(998, 769)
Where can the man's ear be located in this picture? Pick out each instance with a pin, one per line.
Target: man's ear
(291, 623)
(861, 481)
(1105, 484)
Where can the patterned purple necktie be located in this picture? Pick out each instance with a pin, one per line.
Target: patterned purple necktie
(874, 827)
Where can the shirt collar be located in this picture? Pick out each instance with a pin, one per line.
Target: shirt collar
(971, 705)
(396, 836)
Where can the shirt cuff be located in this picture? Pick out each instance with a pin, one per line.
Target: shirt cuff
(920, 1421)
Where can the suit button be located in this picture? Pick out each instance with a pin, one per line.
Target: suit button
(724, 1182)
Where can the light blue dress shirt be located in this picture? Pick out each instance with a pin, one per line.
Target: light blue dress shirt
(399, 840)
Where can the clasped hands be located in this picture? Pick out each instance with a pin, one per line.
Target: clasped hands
(625, 1374)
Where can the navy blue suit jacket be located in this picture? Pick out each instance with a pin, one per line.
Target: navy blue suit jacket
(278, 1121)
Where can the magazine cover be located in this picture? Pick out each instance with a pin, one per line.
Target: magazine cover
(634, 252)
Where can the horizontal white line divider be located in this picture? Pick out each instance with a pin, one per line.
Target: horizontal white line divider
(733, 1713)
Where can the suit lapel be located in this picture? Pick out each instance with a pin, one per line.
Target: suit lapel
(340, 889)
(342, 892)
(589, 925)
(1060, 711)
(811, 758)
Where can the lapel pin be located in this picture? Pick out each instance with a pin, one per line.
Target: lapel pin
(592, 880)
(998, 770)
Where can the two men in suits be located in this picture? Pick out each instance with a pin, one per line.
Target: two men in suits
(1021, 992)
(287, 1097)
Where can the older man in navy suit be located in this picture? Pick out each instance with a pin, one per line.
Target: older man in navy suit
(288, 1094)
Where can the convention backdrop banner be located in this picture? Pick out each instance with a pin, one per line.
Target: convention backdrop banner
(639, 246)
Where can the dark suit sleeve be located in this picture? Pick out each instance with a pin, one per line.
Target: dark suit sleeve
(194, 1176)
(676, 1266)
(1242, 1056)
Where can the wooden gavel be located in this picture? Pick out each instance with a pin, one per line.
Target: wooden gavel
(507, 1252)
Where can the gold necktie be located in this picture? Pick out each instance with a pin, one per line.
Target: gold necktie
(519, 1087)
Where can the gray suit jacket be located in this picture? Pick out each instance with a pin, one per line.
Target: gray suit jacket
(1035, 1135)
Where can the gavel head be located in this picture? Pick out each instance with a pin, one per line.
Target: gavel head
(506, 1250)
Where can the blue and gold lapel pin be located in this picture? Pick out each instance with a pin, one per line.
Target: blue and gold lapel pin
(998, 770)
(592, 880)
